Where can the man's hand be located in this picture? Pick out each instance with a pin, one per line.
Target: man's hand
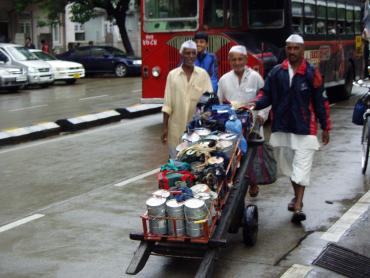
(164, 135)
(325, 137)
(250, 105)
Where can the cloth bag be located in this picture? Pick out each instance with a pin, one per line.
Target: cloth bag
(262, 168)
(359, 111)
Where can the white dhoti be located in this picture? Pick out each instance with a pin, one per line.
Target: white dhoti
(294, 155)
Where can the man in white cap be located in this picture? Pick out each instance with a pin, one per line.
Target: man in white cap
(239, 86)
(295, 90)
(184, 87)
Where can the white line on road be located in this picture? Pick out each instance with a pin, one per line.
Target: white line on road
(88, 98)
(28, 108)
(297, 271)
(336, 231)
(136, 91)
(20, 222)
(139, 177)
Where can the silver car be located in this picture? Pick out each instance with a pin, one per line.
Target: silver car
(12, 77)
(38, 72)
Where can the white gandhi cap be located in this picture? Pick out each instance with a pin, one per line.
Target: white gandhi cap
(295, 39)
(188, 44)
(238, 49)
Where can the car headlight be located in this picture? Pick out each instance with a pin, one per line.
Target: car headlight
(32, 70)
(137, 62)
(3, 72)
(156, 71)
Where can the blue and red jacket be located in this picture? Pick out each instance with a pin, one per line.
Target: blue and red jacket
(295, 108)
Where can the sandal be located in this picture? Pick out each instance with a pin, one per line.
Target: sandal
(254, 190)
(292, 203)
(298, 217)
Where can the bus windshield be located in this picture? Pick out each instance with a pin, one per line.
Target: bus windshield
(266, 16)
(170, 15)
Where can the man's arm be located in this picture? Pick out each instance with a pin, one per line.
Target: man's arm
(164, 135)
(166, 109)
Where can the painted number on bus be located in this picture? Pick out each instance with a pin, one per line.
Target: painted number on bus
(149, 40)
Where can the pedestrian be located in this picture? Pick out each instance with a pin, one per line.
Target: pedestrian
(29, 43)
(206, 60)
(365, 39)
(184, 86)
(91, 43)
(295, 90)
(45, 46)
(240, 86)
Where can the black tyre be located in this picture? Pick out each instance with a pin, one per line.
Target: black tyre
(71, 81)
(365, 142)
(120, 70)
(250, 225)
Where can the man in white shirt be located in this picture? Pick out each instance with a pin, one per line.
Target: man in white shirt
(184, 86)
(239, 86)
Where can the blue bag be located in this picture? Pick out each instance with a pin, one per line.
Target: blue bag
(359, 111)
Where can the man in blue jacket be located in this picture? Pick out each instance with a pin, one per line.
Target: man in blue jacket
(206, 60)
(294, 88)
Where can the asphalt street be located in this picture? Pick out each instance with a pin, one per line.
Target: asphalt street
(89, 95)
(85, 194)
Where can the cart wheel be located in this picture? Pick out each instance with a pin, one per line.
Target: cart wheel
(237, 221)
(250, 225)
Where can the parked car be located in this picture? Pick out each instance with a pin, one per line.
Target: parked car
(63, 70)
(12, 77)
(38, 72)
(103, 59)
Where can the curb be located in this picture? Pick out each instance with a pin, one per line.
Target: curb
(43, 130)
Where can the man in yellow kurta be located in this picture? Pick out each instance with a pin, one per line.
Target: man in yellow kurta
(184, 87)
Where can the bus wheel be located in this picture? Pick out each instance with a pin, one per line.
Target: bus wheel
(346, 89)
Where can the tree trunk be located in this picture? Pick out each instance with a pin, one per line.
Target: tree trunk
(121, 20)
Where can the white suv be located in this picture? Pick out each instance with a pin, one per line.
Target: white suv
(12, 77)
(38, 72)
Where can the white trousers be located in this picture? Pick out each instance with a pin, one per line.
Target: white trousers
(295, 164)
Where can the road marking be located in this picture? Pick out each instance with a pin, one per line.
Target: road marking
(297, 271)
(139, 177)
(28, 108)
(136, 91)
(141, 121)
(20, 222)
(88, 98)
(336, 231)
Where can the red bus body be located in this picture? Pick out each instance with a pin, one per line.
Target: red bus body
(335, 55)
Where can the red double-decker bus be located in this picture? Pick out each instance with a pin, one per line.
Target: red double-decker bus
(331, 29)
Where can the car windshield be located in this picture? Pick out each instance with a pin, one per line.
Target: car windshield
(21, 53)
(44, 56)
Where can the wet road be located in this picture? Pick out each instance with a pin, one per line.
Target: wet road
(75, 183)
(60, 101)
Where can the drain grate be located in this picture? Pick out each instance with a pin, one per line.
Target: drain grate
(344, 261)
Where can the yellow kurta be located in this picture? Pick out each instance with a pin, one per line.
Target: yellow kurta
(181, 98)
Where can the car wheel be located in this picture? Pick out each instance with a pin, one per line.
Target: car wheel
(71, 81)
(120, 70)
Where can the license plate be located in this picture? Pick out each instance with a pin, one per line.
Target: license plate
(76, 75)
(21, 78)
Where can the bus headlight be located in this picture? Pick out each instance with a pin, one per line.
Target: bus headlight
(156, 71)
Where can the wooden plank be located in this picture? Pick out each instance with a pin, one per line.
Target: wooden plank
(140, 257)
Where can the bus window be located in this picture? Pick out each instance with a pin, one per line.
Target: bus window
(349, 20)
(297, 15)
(235, 13)
(332, 15)
(321, 17)
(170, 15)
(309, 17)
(341, 12)
(357, 19)
(266, 17)
(213, 14)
